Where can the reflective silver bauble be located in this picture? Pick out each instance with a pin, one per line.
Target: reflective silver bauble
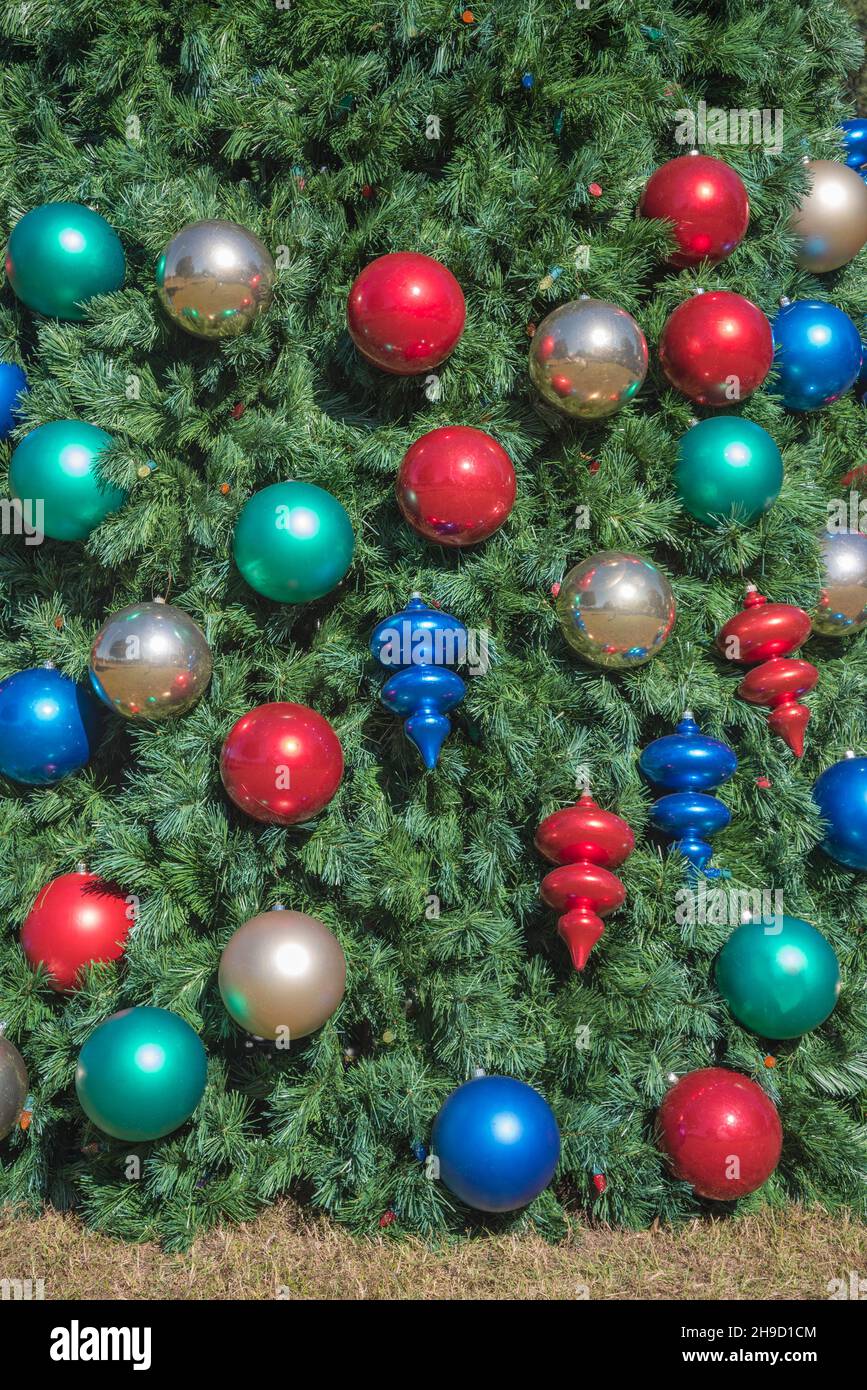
(588, 358)
(214, 278)
(150, 661)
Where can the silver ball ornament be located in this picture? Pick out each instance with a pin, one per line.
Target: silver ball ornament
(842, 607)
(149, 661)
(616, 610)
(13, 1086)
(214, 278)
(588, 358)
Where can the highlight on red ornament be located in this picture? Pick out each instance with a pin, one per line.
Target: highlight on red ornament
(716, 347)
(705, 200)
(763, 635)
(406, 312)
(586, 842)
(456, 485)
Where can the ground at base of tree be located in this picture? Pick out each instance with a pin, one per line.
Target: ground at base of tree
(292, 1254)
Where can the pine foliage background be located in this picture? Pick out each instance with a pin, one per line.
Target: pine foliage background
(308, 124)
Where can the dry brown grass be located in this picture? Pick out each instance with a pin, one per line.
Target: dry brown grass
(773, 1255)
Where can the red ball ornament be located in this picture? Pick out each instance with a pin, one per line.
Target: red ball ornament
(721, 1132)
(281, 763)
(406, 312)
(762, 635)
(456, 485)
(76, 919)
(586, 842)
(707, 202)
(717, 348)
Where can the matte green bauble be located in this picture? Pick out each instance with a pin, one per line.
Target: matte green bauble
(60, 255)
(54, 467)
(728, 469)
(293, 542)
(780, 977)
(141, 1074)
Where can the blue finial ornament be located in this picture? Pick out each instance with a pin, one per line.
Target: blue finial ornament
(419, 646)
(687, 763)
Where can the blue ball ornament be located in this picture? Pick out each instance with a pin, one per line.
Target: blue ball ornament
(497, 1143)
(419, 646)
(49, 726)
(855, 143)
(840, 793)
(13, 385)
(817, 353)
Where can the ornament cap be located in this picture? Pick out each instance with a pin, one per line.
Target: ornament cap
(158, 598)
(850, 753)
(81, 867)
(699, 289)
(785, 301)
(279, 907)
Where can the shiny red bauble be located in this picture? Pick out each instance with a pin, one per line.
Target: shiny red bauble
(456, 485)
(406, 312)
(721, 1132)
(763, 635)
(717, 348)
(705, 200)
(586, 842)
(281, 763)
(77, 919)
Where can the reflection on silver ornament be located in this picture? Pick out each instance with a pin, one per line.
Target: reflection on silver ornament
(616, 610)
(588, 358)
(214, 278)
(842, 607)
(150, 661)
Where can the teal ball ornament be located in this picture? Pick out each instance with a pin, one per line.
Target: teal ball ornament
(59, 256)
(141, 1074)
(293, 542)
(54, 475)
(780, 976)
(728, 469)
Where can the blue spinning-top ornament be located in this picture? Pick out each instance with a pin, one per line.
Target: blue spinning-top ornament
(49, 726)
(840, 793)
(817, 353)
(418, 646)
(855, 143)
(13, 385)
(497, 1143)
(687, 763)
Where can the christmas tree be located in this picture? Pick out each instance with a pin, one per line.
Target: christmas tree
(511, 142)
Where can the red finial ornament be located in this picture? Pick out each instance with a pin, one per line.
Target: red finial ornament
(762, 635)
(586, 842)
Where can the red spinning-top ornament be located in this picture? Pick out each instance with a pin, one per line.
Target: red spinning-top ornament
(766, 633)
(456, 485)
(586, 842)
(406, 312)
(77, 919)
(716, 347)
(281, 763)
(705, 200)
(721, 1132)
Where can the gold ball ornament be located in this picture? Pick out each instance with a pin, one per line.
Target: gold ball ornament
(13, 1086)
(282, 975)
(616, 610)
(842, 607)
(214, 278)
(831, 220)
(150, 661)
(588, 358)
